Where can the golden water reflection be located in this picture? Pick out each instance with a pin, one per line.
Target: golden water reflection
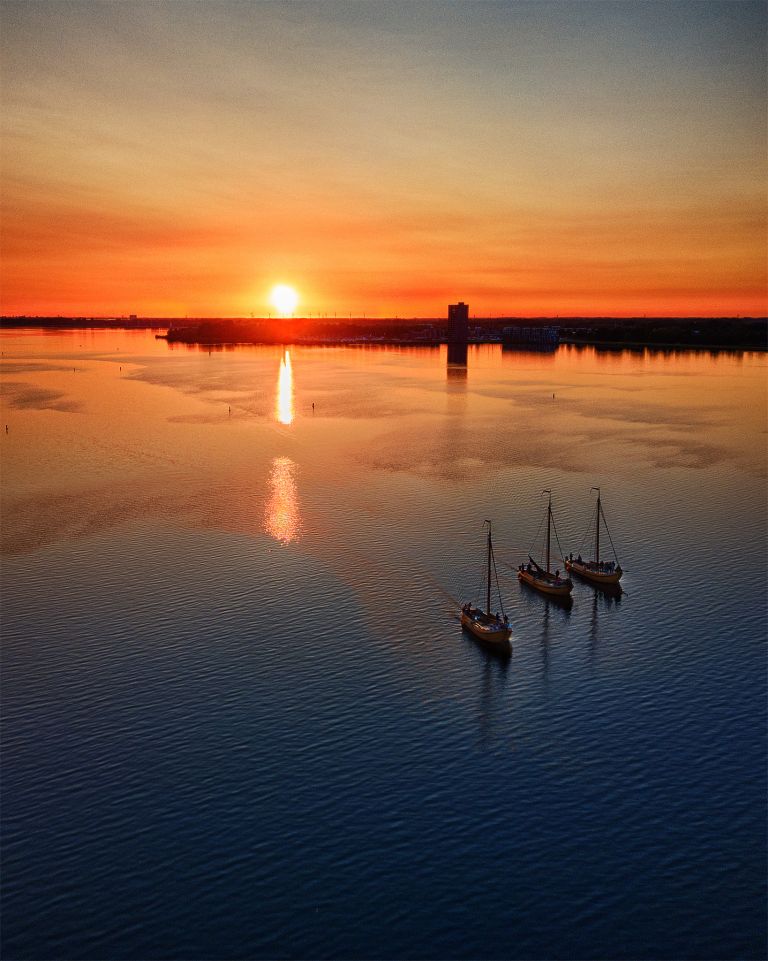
(281, 515)
(284, 399)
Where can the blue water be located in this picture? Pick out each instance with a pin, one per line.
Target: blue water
(240, 719)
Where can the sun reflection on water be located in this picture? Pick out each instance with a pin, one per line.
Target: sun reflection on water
(284, 400)
(281, 515)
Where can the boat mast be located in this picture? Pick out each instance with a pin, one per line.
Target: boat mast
(597, 527)
(549, 524)
(488, 591)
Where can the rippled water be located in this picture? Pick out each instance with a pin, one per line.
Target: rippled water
(240, 719)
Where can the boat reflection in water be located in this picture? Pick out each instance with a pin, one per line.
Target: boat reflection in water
(282, 518)
(284, 399)
(492, 711)
(560, 610)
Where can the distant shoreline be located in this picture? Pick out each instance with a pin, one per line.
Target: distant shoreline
(636, 344)
(660, 333)
(434, 345)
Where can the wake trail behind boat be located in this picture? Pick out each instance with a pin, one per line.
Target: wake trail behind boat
(439, 587)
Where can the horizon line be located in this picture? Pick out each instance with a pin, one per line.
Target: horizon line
(383, 318)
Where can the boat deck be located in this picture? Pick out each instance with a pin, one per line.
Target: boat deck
(545, 581)
(485, 626)
(594, 572)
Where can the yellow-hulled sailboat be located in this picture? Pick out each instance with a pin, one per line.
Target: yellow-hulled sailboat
(602, 573)
(492, 629)
(541, 578)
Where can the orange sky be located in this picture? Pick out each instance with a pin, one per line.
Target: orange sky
(171, 158)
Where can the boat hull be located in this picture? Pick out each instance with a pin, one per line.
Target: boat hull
(596, 577)
(487, 633)
(551, 588)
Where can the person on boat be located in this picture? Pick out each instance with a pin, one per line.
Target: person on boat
(578, 559)
(529, 568)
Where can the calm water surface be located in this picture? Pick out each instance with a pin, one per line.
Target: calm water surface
(240, 719)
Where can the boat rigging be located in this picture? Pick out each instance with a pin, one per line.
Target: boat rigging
(604, 573)
(542, 578)
(492, 629)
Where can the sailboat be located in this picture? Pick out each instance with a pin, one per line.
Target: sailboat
(540, 577)
(604, 573)
(487, 627)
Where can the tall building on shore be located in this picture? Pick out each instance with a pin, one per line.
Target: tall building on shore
(458, 323)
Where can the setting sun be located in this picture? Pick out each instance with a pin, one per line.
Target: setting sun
(284, 298)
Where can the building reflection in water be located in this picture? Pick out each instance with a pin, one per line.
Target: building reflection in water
(284, 399)
(457, 363)
(281, 515)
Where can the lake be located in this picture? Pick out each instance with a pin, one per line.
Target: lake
(240, 719)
